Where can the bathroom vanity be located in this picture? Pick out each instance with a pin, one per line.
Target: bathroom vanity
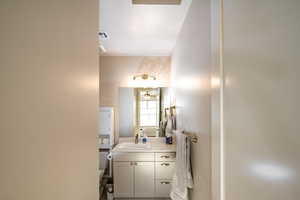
(143, 170)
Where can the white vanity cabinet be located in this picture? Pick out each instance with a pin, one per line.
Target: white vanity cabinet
(124, 179)
(144, 179)
(142, 175)
(134, 179)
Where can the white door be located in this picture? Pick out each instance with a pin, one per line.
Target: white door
(144, 179)
(123, 179)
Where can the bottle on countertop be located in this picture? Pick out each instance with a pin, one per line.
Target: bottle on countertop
(169, 139)
(141, 132)
(145, 138)
(141, 135)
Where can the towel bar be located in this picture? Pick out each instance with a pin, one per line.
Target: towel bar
(192, 137)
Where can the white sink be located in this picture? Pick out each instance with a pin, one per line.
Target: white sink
(134, 146)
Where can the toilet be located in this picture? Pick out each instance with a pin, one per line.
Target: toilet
(103, 163)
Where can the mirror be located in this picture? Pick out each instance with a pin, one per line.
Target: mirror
(142, 108)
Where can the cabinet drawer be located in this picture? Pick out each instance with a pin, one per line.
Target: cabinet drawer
(163, 188)
(123, 157)
(165, 156)
(164, 170)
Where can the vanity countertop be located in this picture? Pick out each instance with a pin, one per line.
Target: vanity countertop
(153, 146)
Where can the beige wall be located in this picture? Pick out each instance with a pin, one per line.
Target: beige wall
(118, 71)
(261, 63)
(49, 99)
(191, 68)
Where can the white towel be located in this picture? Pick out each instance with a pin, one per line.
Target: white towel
(170, 125)
(182, 179)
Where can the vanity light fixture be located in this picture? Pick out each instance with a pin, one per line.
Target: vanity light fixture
(144, 77)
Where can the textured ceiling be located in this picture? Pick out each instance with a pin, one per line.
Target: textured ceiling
(146, 30)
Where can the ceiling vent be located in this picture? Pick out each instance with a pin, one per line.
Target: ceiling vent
(103, 35)
(157, 2)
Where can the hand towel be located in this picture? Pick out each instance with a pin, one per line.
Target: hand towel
(170, 125)
(182, 179)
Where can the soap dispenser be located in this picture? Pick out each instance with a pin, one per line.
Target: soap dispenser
(145, 138)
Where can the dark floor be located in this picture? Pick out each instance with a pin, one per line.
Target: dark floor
(104, 198)
(138, 199)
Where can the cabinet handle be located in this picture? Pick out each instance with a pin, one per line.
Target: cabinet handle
(133, 163)
(165, 183)
(165, 164)
(164, 156)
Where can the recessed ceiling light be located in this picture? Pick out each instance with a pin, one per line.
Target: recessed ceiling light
(159, 2)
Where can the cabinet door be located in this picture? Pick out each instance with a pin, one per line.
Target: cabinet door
(144, 179)
(123, 179)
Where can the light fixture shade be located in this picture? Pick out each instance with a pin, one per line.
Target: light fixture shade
(145, 77)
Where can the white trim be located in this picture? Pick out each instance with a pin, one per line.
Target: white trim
(222, 88)
(136, 54)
